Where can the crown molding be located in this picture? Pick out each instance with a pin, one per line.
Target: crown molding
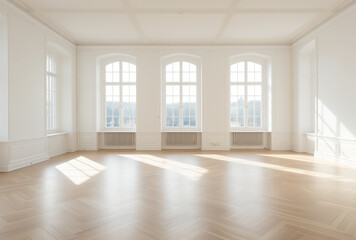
(33, 14)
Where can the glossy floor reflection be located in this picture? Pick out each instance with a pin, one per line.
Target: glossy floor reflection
(179, 195)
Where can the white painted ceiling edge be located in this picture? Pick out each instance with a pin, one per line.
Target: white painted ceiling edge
(54, 27)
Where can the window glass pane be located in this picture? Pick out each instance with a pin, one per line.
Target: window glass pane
(176, 67)
(250, 77)
(193, 122)
(115, 67)
(125, 67)
(241, 67)
(169, 77)
(109, 91)
(250, 66)
(125, 77)
(186, 121)
(176, 122)
(251, 90)
(241, 90)
(258, 77)
(176, 77)
(193, 77)
(258, 67)
(185, 77)
(169, 67)
(233, 90)
(233, 77)
(233, 67)
(241, 77)
(108, 67)
(133, 77)
(116, 77)
(108, 77)
(258, 90)
(193, 111)
(185, 66)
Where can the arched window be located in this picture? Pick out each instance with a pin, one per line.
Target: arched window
(119, 91)
(181, 94)
(248, 76)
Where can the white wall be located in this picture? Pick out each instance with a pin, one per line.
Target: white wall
(336, 57)
(4, 135)
(27, 141)
(215, 94)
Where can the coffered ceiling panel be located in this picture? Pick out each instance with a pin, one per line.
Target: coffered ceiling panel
(180, 27)
(289, 4)
(272, 28)
(97, 27)
(74, 4)
(181, 4)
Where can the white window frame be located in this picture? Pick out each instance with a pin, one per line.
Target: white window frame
(197, 62)
(264, 98)
(57, 75)
(104, 62)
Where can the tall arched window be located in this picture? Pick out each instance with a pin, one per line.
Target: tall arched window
(181, 94)
(119, 91)
(248, 76)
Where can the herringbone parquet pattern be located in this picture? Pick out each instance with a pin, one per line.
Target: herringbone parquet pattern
(179, 195)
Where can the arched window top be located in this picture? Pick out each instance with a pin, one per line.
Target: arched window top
(114, 68)
(111, 58)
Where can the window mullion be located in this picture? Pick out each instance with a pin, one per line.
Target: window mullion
(246, 96)
(120, 99)
(180, 95)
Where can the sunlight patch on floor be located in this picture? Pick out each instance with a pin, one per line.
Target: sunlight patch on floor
(187, 170)
(275, 167)
(80, 169)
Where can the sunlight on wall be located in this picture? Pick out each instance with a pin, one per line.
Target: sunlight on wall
(327, 121)
(187, 170)
(275, 167)
(80, 169)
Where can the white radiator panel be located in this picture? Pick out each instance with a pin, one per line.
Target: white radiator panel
(181, 140)
(117, 140)
(247, 139)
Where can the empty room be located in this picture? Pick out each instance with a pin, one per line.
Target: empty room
(177, 120)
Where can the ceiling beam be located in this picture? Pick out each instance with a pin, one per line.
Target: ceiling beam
(227, 19)
(135, 21)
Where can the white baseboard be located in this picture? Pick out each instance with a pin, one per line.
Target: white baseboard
(27, 161)
(281, 148)
(149, 148)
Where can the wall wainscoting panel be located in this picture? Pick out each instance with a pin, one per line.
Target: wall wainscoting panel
(215, 141)
(58, 144)
(87, 141)
(27, 152)
(4, 157)
(336, 149)
(280, 141)
(148, 141)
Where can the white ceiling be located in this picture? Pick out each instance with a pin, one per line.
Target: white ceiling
(183, 21)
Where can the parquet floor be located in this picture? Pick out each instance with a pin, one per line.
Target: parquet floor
(173, 195)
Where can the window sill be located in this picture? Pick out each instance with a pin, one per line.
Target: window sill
(180, 130)
(249, 130)
(55, 134)
(118, 131)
